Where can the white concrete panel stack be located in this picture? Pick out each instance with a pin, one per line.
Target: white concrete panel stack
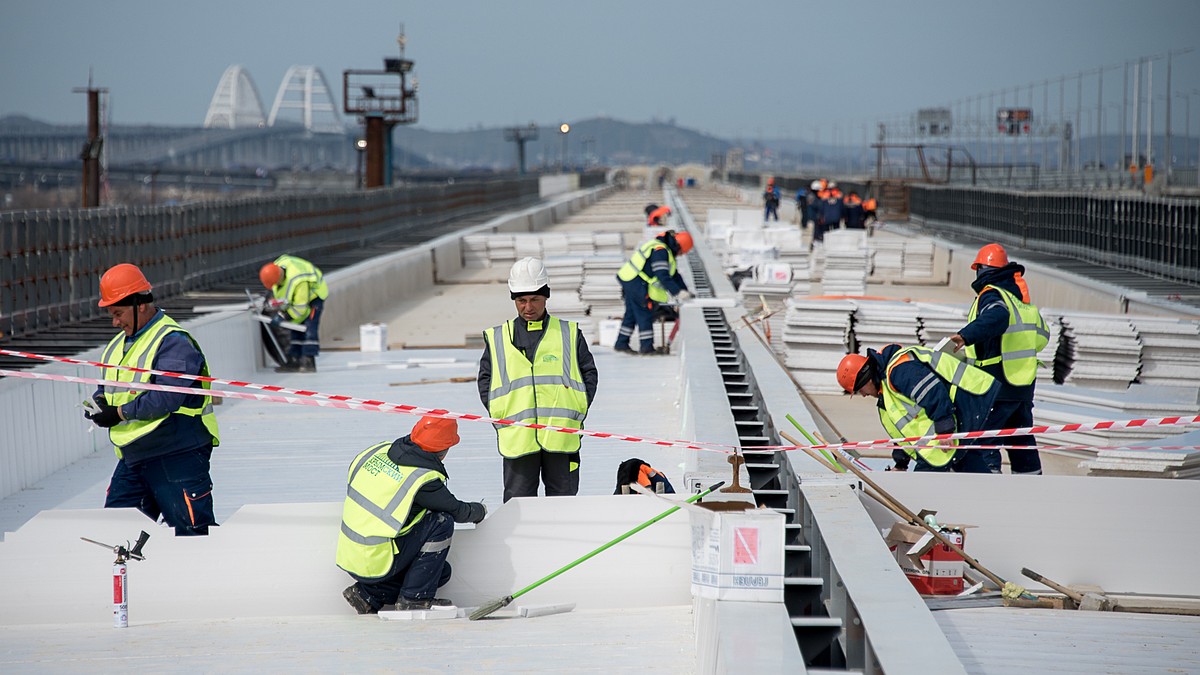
(1170, 350)
(475, 251)
(939, 321)
(1049, 353)
(601, 290)
(817, 336)
(1066, 404)
(501, 250)
(881, 322)
(611, 244)
(566, 272)
(918, 258)
(1098, 351)
(847, 262)
(889, 257)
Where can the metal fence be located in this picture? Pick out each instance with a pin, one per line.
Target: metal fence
(1152, 235)
(51, 261)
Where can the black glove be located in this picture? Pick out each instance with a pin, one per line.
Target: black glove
(277, 319)
(479, 510)
(107, 417)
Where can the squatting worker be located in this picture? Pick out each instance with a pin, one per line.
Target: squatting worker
(298, 292)
(1004, 333)
(648, 279)
(537, 369)
(398, 519)
(920, 392)
(163, 440)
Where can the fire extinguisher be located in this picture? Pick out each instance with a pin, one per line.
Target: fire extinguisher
(121, 575)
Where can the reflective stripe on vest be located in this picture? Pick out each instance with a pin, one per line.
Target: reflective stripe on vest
(141, 355)
(1025, 336)
(635, 267)
(549, 390)
(379, 500)
(298, 275)
(902, 417)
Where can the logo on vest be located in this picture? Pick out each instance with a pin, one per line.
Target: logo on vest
(549, 358)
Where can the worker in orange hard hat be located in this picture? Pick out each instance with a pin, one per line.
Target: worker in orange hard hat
(635, 470)
(1005, 332)
(163, 440)
(648, 279)
(771, 201)
(298, 292)
(398, 519)
(657, 217)
(920, 392)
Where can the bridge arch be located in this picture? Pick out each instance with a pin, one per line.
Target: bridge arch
(235, 104)
(304, 88)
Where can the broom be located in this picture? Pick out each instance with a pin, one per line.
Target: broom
(501, 603)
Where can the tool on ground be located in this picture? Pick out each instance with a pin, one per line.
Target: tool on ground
(1010, 589)
(1088, 601)
(464, 378)
(501, 603)
(121, 575)
(737, 461)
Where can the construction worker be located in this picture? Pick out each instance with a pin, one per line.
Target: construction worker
(163, 440)
(771, 201)
(1004, 333)
(870, 209)
(657, 217)
(537, 369)
(398, 519)
(298, 291)
(920, 392)
(636, 470)
(855, 215)
(648, 279)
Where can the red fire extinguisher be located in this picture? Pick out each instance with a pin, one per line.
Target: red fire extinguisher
(121, 575)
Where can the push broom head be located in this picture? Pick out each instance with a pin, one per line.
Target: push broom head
(490, 607)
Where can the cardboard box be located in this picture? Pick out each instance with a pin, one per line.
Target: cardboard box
(737, 555)
(372, 337)
(932, 567)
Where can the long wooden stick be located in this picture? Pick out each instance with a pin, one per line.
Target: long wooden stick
(829, 465)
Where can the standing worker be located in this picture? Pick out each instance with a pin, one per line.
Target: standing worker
(298, 292)
(537, 369)
(163, 440)
(398, 519)
(1004, 333)
(648, 279)
(921, 392)
(771, 201)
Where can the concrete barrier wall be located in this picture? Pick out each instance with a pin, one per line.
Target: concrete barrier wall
(42, 428)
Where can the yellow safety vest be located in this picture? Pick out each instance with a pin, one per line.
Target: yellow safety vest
(549, 390)
(302, 282)
(1025, 336)
(902, 417)
(141, 354)
(379, 501)
(636, 267)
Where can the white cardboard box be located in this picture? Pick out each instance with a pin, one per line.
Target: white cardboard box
(372, 337)
(738, 555)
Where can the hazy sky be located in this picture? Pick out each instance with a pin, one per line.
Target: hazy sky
(752, 70)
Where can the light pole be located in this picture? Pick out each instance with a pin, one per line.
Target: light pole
(360, 147)
(564, 129)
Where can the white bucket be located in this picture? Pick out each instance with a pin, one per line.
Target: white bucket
(372, 337)
(609, 330)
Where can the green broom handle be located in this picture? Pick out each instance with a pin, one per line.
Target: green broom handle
(614, 542)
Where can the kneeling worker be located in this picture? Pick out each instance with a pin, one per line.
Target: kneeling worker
(299, 292)
(398, 520)
(647, 279)
(921, 392)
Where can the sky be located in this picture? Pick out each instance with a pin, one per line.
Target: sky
(767, 69)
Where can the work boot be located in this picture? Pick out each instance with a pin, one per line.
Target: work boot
(290, 366)
(308, 364)
(624, 350)
(403, 603)
(359, 601)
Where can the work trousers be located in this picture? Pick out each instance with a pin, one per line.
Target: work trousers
(771, 210)
(559, 471)
(175, 486)
(1012, 415)
(419, 567)
(637, 312)
(966, 460)
(308, 341)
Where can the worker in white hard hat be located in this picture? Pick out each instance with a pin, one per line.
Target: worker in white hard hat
(537, 369)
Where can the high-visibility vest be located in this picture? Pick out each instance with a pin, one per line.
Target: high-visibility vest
(379, 500)
(141, 355)
(302, 282)
(636, 267)
(547, 390)
(902, 417)
(1025, 336)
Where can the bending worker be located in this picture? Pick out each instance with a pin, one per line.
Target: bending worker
(1003, 336)
(536, 369)
(298, 292)
(647, 279)
(921, 392)
(398, 519)
(163, 440)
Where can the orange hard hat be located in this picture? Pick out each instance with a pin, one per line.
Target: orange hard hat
(658, 213)
(992, 255)
(435, 434)
(120, 282)
(685, 242)
(848, 370)
(270, 275)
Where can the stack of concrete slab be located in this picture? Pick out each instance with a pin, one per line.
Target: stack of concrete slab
(1098, 351)
(555, 243)
(881, 322)
(601, 290)
(1144, 463)
(1170, 350)
(1067, 404)
(889, 257)
(566, 273)
(475, 251)
(847, 262)
(611, 244)
(918, 258)
(817, 335)
(939, 321)
(1046, 357)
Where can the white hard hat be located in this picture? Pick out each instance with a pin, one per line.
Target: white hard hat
(816, 185)
(832, 184)
(527, 275)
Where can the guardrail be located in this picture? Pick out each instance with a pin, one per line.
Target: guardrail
(51, 261)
